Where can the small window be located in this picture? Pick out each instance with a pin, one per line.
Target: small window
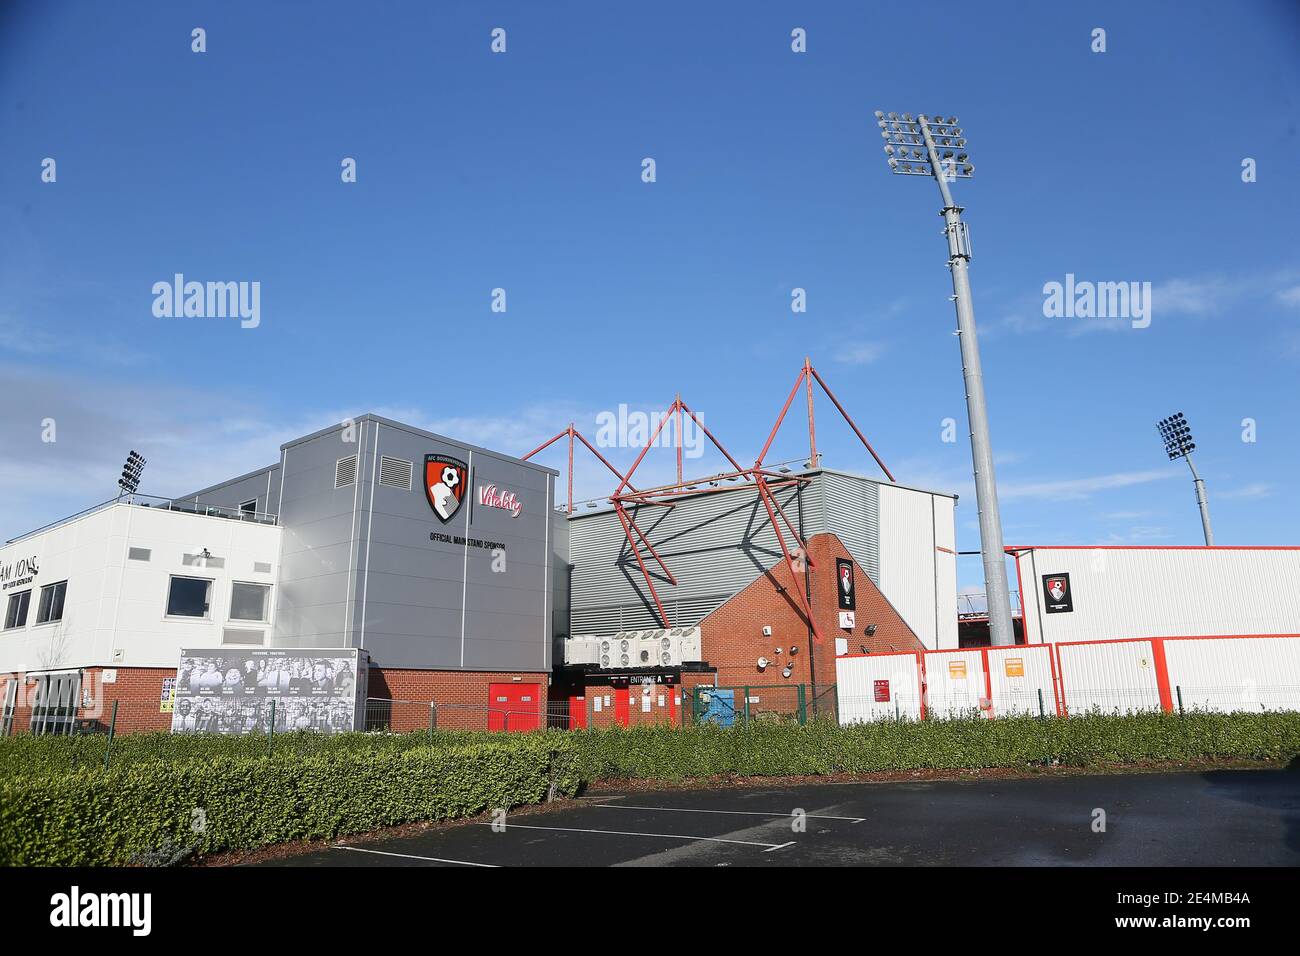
(16, 612)
(248, 602)
(248, 507)
(189, 597)
(139, 554)
(345, 472)
(51, 606)
(395, 473)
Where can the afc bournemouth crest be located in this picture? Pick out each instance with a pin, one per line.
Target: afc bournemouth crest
(844, 585)
(1057, 596)
(445, 481)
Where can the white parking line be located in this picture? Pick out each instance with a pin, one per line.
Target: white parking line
(781, 847)
(412, 856)
(751, 813)
(662, 836)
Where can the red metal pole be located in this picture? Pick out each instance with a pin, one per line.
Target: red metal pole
(570, 467)
(663, 615)
(646, 541)
(653, 438)
(794, 573)
(861, 437)
(780, 418)
(678, 402)
(716, 444)
(813, 460)
(543, 446)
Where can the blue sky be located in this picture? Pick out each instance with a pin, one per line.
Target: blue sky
(522, 171)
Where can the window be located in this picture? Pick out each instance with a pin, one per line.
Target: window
(248, 507)
(189, 597)
(51, 607)
(248, 602)
(16, 612)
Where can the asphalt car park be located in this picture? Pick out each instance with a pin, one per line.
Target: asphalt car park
(1219, 818)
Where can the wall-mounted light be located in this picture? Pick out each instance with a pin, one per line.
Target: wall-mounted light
(794, 649)
(787, 671)
(762, 663)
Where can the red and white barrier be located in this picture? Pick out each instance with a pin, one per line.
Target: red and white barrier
(1233, 673)
(878, 687)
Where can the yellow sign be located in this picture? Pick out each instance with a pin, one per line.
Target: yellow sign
(957, 670)
(1015, 666)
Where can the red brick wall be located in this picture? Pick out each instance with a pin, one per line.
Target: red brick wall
(137, 692)
(461, 696)
(733, 640)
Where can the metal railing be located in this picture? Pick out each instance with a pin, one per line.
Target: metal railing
(162, 504)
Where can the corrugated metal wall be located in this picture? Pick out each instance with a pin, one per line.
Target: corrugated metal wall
(717, 543)
(851, 510)
(1245, 673)
(714, 544)
(857, 685)
(1117, 676)
(1163, 592)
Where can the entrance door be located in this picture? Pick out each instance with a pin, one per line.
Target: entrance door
(513, 707)
(577, 713)
(621, 706)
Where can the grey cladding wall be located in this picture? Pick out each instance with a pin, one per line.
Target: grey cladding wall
(714, 544)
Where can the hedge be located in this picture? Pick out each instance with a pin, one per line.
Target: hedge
(24, 754)
(145, 812)
(822, 747)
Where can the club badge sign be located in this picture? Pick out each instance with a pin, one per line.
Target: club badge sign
(844, 588)
(1058, 597)
(445, 481)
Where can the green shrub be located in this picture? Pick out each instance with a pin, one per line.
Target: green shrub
(160, 810)
(822, 747)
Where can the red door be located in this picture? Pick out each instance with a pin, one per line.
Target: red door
(577, 713)
(513, 706)
(621, 708)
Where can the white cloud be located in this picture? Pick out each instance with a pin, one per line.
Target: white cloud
(1076, 488)
(859, 353)
(1289, 297)
(1258, 489)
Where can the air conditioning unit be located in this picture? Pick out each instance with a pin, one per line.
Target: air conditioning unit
(691, 647)
(625, 648)
(582, 649)
(606, 652)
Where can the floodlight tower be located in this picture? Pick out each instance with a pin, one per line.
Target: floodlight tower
(935, 147)
(1178, 444)
(131, 472)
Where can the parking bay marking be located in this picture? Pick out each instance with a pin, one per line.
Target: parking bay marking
(412, 856)
(769, 847)
(752, 813)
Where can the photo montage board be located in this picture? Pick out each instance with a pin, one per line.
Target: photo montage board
(228, 690)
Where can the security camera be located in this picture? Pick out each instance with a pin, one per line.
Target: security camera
(871, 630)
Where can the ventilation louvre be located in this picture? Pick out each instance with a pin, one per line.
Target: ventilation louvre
(139, 554)
(396, 473)
(261, 567)
(345, 472)
(243, 637)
